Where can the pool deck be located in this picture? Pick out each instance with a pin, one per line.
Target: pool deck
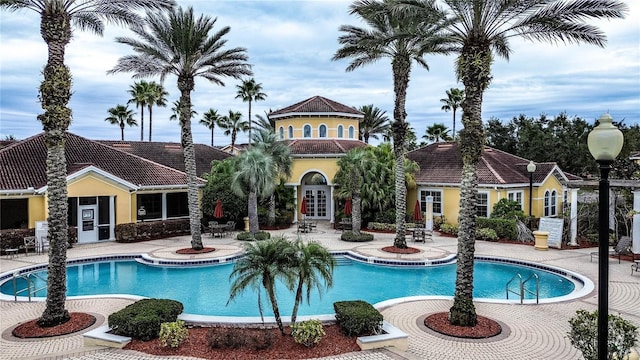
(531, 331)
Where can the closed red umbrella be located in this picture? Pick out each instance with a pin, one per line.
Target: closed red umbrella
(303, 206)
(217, 213)
(347, 206)
(417, 212)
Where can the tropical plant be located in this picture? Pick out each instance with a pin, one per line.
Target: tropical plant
(387, 37)
(58, 19)
(155, 97)
(138, 92)
(481, 30)
(264, 122)
(622, 336)
(437, 132)
(250, 91)
(451, 103)
(355, 164)
(218, 186)
(232, 124)
(176, 43)
(121, 115)
(374, 122)
(210, 119)
(263, 262)
(175, 111)
(312, 265)
(308, 332)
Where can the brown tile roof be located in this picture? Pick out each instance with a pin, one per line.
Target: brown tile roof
(322, 146)
(170, 154)
(314, 106)
(23, 164)
(441, 163)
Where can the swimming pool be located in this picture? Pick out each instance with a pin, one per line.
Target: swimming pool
(204, 290)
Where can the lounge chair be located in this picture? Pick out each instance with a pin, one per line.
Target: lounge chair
(623, 247)
(30, 243)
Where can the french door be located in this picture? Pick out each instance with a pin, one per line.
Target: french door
(317, 201)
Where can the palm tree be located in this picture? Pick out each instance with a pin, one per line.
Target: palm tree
(313, 265)
(482, 30)
(437, 132)
(121, 115)
(281, 155)
(264, 122)
(57, 22)
(452, 102)
(254, 178)
(177, 43)
(374, 122)
(232, 124)
(250, 91)
(355, 165)
(389, 36)
(139, 92)
(156, 96)
(210, 119)
(175, 111)
(263, 262)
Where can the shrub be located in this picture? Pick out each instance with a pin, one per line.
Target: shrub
(147, 230)
(622, 337)
(486, 234)
(234, 338)
(172, 334)
(508, 209)
(357, 318)
(382, 226)
(353, 237)
(13, 238)
(307, 333)
(504, 228)
(142, 319)
(450, 229)
(247, 236)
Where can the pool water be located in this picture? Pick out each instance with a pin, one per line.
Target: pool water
(205, 290)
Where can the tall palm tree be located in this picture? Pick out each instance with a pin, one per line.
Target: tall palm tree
(58, 19)
(313, 266)
(250, 91)
(121, 115)
(389, 35)
(210, 119)
(281, 155)
(452, 102)
(176, 43)
(374, 122)
(254, 178)
(232, 124)
(155, 97)
(354, 165)
(139, 92)
(175, 111)
(263, 262)
(265, 122)
(482, 30)
(437, 132)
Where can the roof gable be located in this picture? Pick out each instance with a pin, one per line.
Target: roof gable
(317, 105)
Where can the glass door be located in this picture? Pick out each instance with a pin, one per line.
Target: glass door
(317, 201)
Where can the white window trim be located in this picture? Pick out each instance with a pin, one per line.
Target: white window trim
(311, 131)
(290, 131)
(281, 132)
(488, 193)
(441, 198)
(326, 131)
(515, 197)
(349, 131)
(338, 135)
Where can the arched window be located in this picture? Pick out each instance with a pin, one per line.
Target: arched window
(554, 202)
(351, 131)
(550, 203)
(290, 132)
(281, 132)
(307, 131)
(322, 131)
(340, 131)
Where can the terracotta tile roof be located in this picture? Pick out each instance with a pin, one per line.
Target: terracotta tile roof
(315, 106)
(441, 163)
(322, 146)
(23, 164)
(170, 154)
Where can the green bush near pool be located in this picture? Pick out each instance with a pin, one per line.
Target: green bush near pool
(142, 319)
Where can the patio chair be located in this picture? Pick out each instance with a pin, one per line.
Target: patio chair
(212, 224)
(623, 247)
(636, 266)
(231, 226)
(44, 244)
(30, 243)
(419, 235)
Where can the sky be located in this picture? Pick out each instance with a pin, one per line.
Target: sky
(290, 45)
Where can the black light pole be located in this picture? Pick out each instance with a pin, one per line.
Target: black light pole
(531, 168)
(605, 142)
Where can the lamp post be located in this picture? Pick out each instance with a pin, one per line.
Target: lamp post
(531, 168)
(605, 142)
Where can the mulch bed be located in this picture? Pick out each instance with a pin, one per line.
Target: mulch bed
(31, 330)
(395, 250)
(485, 328)
(190, 251)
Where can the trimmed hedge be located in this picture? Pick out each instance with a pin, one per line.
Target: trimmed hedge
(247, 236)
(142, 319)
(148, 230)
(357, 318)
(14, 238)
(504, 228)
(350, 236)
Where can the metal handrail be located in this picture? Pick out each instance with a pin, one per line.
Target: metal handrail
(27, 278)
(519, 277)
(522, 288)
(537, 289)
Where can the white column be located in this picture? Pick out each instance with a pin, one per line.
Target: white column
(333, 207)
(112, 217)
(428, 218)
(164, 206)
(636, 222)
(295, 201)
(574, 217)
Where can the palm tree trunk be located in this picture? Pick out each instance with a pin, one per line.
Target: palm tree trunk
(401, 69)
(454, 123)
(122, 131)
(190, 162)
(142, 123)
(150, 120)
(212, 127)
(252, 211)
(356, 212)
(269, 286)
(298, 300)
(250, 125)
(272, 209)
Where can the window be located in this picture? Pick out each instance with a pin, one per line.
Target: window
(482, 204)
(437, 200)
(72, 212)
(281, 132)
(340, 131)
(152, 205)
(351, 131)
(322, 130)
(14, 213)
(550, 203)
(516, 196)
(307, 131)
(290, 132)
(177, 205)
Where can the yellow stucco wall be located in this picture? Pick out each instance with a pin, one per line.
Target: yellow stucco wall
(36, 210)
(331, 123)
(96, 185)
(301, 166)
